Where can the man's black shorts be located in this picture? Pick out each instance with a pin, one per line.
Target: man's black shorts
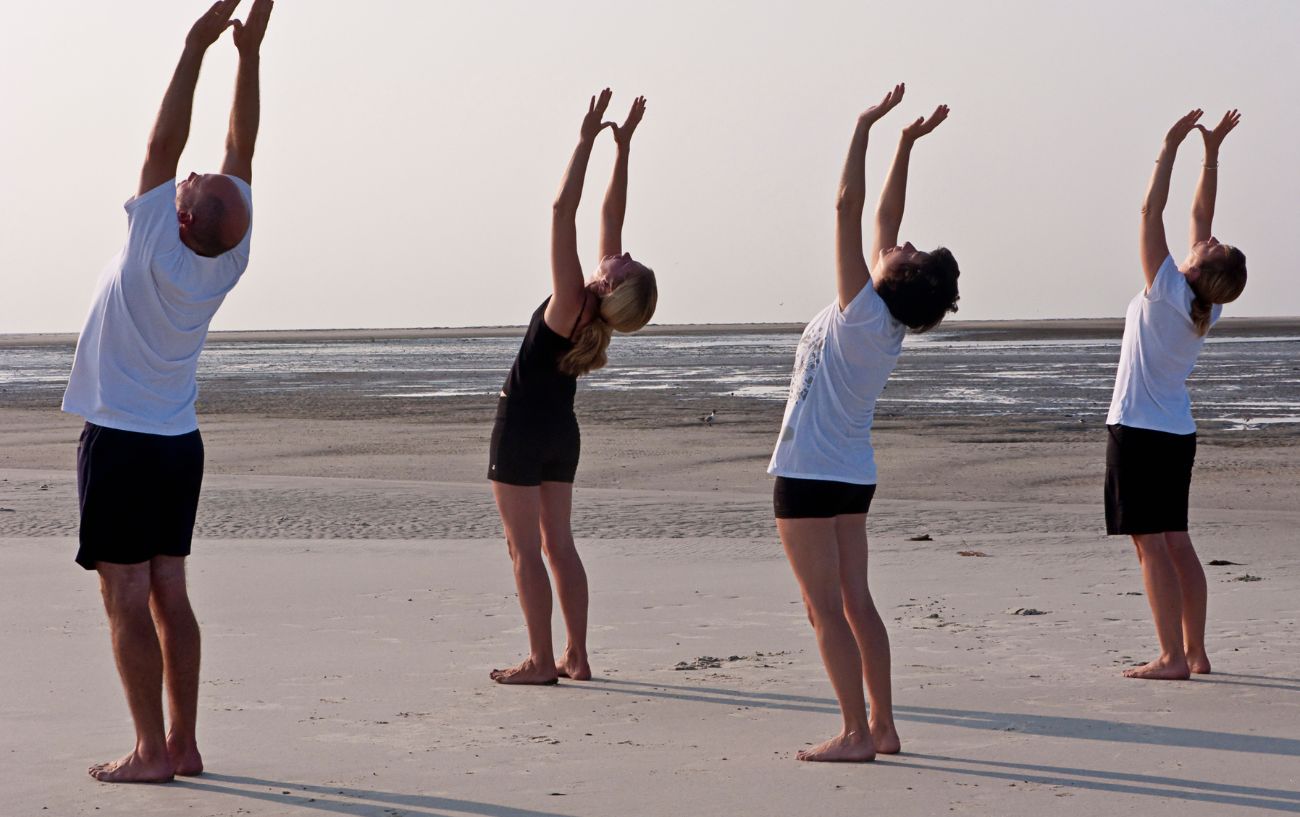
(139, 494)
(1148, 480)
(794, 498)
(529, 450)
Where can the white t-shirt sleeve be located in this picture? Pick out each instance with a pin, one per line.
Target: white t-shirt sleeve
(867, 306)
(1169, 285)
(152, 228)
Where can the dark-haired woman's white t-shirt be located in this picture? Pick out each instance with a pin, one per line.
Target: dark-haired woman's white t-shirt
(844, 359)
(1157, 355)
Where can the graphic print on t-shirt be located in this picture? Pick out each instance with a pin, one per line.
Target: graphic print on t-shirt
(807, 359)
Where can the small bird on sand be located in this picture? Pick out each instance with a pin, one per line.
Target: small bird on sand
(708, 418)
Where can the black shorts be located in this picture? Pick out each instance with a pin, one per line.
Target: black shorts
(794, 498)
(532, 450)
(1148, 479)
(139, 494)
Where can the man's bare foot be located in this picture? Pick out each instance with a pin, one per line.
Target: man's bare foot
(573, 665)
(846, 747)
(1198, 661)
(185, 757)
(134, 769)
(1161, 669)
(886, 739)
(527, 673)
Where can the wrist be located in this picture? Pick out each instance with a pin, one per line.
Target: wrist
(250, 54)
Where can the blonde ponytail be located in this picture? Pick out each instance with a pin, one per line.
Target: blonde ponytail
(1221, 281)
(588, 352)
(627, 308)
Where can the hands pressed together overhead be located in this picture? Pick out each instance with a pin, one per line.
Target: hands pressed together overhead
(594, 122)
(248, 32)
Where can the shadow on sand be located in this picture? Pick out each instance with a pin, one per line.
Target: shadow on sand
(1283, 800)
(349, 799)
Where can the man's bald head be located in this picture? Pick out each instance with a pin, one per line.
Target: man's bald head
(212, 213)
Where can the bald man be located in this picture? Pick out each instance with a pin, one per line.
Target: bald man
(140, 461)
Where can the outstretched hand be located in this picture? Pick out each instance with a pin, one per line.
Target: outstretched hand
(875, 112)
(249, 33)
(922, 126)
(594, 121)
(210, 26)
(623, 133)
(1214, 138)
(1183, 127)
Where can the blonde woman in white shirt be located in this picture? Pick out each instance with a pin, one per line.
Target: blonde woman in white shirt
(1151, 443)
(823, 461)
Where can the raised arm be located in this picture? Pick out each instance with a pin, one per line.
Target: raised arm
(1152, 244)
(851, 273)
(615, 207)
(893, 196)
(172, 129)
(567, 282)
(246, 112)
(1208, 185)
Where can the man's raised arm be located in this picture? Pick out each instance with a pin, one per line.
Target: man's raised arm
(245, 113)
(172, 129)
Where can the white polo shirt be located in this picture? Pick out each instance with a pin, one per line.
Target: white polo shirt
(1157, 355)
(843, 361)
(137, 355)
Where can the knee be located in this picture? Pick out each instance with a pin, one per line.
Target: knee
(823, 608)
(524, 551)
(859, 607)
(558, 543)
(1150, 544)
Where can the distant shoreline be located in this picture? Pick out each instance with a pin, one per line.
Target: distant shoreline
(1059, 328)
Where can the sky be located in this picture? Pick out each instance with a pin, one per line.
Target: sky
(410, 149)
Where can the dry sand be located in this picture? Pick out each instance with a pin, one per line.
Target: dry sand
(355, 591)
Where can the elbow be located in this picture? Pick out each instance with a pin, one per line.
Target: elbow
(564, 208)
(847, 204)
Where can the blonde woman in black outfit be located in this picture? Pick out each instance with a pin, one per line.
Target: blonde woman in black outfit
(535, 442)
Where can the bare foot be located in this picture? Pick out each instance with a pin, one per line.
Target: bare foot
(1198, 661)
(846, 747)
(134, 769)
(573, 665)
(1161, 669)
(886, 739)
(527, 673)
(185, 757)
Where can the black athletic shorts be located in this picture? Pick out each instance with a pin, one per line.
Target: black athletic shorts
(533, 450)
(794, 498)
(1148, 479)
(139, 494)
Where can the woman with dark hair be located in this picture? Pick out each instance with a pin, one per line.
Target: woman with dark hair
(824, 465)
(1151, 441)
(535, 441)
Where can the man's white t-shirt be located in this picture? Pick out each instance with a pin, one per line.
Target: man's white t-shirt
(844, 359)
(1157, 354)
(138, 352)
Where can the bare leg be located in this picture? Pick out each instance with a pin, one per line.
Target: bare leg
(179, 633)
(520, 508)
(811, 547)
(139, 662)
(1191, 581)
(1165, 598)
(868, 629)
(570, 577)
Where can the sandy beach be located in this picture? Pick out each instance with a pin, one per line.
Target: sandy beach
(355, 590)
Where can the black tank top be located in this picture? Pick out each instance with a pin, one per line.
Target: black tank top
(536, 387)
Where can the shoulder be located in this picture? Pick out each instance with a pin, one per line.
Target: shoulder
(1169, 283)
